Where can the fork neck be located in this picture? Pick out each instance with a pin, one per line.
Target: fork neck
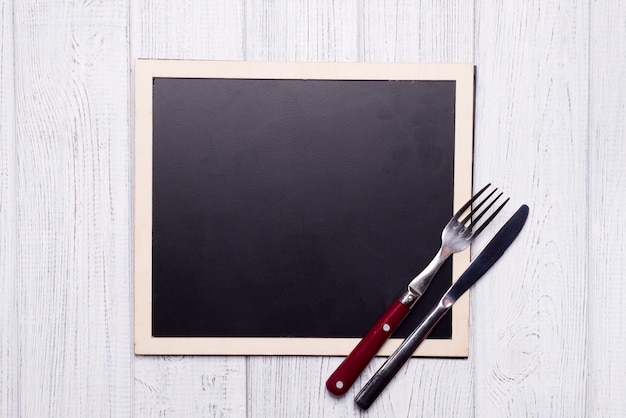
(418, 285)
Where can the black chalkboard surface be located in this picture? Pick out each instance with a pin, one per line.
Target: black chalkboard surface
(295, 208)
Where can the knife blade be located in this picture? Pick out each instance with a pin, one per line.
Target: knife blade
(483, 262)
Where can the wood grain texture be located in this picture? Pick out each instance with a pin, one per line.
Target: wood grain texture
(606, 383)
(529, 313)
(416, 31)
(71, 67)
(318, 30)
(419, 32)
(187, 29)
(8, 215)
(184, 386)
(365, 31)
(297, 31)
(188, 386)
(422, 32)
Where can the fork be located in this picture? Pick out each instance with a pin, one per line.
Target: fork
(456, 236)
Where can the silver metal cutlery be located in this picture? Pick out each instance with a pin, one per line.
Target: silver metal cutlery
(487, 258)
(456, 236)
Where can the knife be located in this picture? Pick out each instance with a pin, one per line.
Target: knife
(483, 262)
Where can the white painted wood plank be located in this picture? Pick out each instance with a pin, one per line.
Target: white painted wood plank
(420, 32)
(188, 386)
(187, 29)
(416, 31)
(71, 78)
(8, 215)
(370, 31)
(529, 313)
(318, 30)
(606, 384)
(297, 31)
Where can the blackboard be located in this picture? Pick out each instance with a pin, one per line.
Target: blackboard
(289, 204)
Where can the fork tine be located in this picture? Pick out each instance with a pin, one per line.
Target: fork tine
(478, 206)
(469, 202)
(493, 215)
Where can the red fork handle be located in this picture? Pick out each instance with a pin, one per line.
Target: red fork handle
(340, 381)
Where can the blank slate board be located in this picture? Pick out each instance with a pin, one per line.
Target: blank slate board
(280, 208)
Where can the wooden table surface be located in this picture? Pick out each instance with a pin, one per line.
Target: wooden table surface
(548, 327)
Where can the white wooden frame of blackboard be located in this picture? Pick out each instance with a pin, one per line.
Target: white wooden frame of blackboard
(147, 70)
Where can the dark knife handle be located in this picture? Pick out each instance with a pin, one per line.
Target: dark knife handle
(394, 363)
(344, 376)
